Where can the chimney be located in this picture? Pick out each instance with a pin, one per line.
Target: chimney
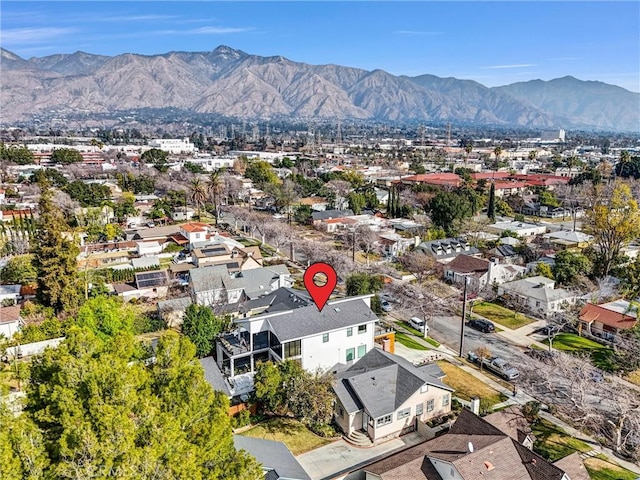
(475, 405)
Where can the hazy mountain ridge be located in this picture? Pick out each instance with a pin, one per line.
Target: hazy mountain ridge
(233, 83)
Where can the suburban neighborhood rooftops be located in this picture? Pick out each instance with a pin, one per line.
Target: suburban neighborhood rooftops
(512, 422)
(572, 465)
(538, 287)
(327, 214)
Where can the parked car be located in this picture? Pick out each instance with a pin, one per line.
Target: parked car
(484, 326)
(386, 306)
(496, 365)
(419, 324)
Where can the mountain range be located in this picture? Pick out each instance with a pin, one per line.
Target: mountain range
(232, 83)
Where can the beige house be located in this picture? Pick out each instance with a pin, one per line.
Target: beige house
(383, 396)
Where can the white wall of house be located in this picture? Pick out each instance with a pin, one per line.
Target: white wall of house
(8, 329)
(217, 296)
(316, 353)
(435, 402)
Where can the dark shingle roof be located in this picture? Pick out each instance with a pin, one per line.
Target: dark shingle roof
(274, 456)
(307, 321)
(327, 214)
(213, 376)
(381, 382)
(466, 264)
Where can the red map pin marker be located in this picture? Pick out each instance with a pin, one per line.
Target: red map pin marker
(320, 293)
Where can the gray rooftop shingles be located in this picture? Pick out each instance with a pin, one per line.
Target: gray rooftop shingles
(307, 321)
(213, 376)
(272, 455)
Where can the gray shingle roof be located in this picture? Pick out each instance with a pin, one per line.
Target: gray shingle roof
(272, 455)
(213, 278)
(381, 382)
(214, 377)
(327, 214)
(256, 281)
(307, 321)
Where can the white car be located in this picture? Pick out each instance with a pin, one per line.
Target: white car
(386, 306)
(419, 324)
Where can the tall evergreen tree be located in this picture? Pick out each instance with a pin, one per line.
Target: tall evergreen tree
(55, 258)
(491, 210)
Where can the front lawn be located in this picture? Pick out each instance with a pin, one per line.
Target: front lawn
(409, 342)
(601, 469)
(633, 377)
(295, 435)
(601, 356)
(553, 443)
(467, 386)
(503, 316)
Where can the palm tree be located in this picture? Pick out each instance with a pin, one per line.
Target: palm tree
(497, 152)
(214, 188)
(532, 155)
(467, 150)
(198, 193)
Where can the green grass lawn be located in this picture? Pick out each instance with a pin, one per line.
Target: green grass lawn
(418, 333)
(467, 386)
(295, 435)
(503, 316)
(409, 341)
(603, 469)
(570, 342)
(553, 443)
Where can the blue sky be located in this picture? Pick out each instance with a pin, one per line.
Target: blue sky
(495, 43)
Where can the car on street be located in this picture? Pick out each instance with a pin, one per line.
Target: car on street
(484, 326)
(419, 324)
(386, 306)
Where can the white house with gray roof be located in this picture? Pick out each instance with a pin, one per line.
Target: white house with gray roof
(343, 332)
(384, 395)
(537, 294)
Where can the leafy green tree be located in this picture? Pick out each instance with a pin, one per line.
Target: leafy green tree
(503, 208)
(55, 258)
(285, 388)
(156, 157)
(19, 269)
(261, 173)
(630, 276)
(88, 194)
(124, 207)
(569, 266)
(548, 198)
(66, 156)
(19, 155)
(613, 220)
(417, 167)
(201, 326)
(302, 214)
(447, 209)
(22, 452)
(361, 283)
(628, 167)
(49, 176)
(544, 269)
(103, 414)
(105, 316)
(491, 209)
(357, 202)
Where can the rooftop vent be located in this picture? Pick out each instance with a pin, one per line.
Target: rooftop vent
(489, 465)
(337, 309)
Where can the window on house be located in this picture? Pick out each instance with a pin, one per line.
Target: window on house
(362, 349)
(362, 328)
(340, 411)
(404, 413)
(349, 331)
(293, 349)
(430, 405)
(351, 354)
(445, 400)
(419, 409)
(383, 420)
(424, 388)
(325, 337)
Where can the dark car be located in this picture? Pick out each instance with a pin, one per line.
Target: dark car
(483, 325)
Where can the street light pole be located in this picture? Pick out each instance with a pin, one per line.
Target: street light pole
(464, 314)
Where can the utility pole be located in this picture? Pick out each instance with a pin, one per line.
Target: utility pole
(464, 314)
(353, 246)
